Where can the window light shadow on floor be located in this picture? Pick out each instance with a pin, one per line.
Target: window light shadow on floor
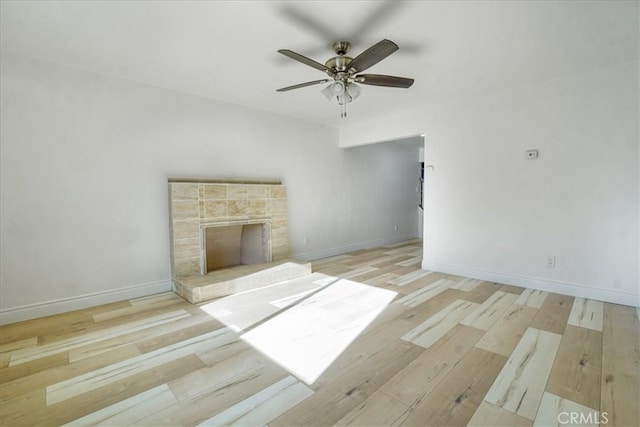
(302, 324)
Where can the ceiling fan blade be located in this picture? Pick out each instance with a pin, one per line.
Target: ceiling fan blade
(374, 18)
(307, 22)
(298, 86)
(373, 55)
(382, 80)
(307, 61)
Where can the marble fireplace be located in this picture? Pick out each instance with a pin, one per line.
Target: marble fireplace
(221, 229)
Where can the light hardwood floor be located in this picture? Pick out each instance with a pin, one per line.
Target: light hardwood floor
(448, 351)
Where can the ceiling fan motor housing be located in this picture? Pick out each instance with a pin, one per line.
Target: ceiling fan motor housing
(339, 63)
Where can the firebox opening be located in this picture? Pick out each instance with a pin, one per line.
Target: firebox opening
(233, 245)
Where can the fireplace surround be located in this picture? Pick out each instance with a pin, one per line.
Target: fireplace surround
(198, 205)
(232, 214)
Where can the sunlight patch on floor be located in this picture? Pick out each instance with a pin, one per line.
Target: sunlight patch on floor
(322, 315)
(243, 310)
(308, 337)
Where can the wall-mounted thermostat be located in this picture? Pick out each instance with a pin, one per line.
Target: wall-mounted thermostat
(531, 154)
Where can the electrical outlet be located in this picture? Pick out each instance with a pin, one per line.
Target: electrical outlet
(551, 261)
(395, 228)
(531, 154)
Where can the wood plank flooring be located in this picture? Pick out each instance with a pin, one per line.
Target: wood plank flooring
(411, 348)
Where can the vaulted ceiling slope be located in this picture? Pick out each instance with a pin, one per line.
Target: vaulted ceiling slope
(227, 50)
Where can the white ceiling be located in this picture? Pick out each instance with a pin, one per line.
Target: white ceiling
(226, 50)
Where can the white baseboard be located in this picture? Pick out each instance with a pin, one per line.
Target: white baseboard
(564, 288)
(63, 305)
(325, 253)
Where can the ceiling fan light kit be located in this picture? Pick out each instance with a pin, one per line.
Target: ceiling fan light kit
(343, 72)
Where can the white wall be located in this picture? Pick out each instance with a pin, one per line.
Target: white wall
(84, 167)
(493, 215)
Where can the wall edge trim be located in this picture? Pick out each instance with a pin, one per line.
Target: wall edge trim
(558, 287)
(340, 250)
(63, 305)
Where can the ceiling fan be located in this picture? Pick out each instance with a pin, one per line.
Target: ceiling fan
(343, 71)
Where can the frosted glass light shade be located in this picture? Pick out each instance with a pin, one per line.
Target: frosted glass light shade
(354, 90)
(334, 89)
